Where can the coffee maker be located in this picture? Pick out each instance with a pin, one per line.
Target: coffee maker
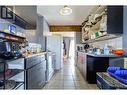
(9, 50)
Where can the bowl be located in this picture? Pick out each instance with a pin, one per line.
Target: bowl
(118, 51)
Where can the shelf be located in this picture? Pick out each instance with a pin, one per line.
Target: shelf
(11, 37)
(13, 73)
(102, 38)
(12, 34)
(18, 84)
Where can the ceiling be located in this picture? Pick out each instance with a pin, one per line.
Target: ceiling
(28, 13)
(53, 17)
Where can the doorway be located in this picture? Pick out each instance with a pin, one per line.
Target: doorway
(68, 50)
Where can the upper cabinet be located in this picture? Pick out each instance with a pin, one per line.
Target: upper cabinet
(115, 19)
(104, 22)
(8, 13)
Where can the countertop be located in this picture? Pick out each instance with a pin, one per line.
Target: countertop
(32, 55)
(102, 55)
(50, 53)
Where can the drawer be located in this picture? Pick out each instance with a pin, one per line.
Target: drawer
(34, 60)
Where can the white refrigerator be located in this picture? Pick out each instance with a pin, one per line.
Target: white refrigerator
(55, 44)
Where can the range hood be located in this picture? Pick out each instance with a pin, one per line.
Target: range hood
(28, 13)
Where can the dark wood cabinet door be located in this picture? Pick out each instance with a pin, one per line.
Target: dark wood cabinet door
(115, 19)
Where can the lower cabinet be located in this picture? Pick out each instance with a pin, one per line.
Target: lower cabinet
(36, 76)
(89, 65)
(94, 65)
(81, 63)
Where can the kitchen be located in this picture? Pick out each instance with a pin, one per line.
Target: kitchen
(32, 47)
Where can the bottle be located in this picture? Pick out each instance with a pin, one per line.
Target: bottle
(106, 49)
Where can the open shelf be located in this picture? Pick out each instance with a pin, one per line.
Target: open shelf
(13, 73)
(102, 38)
(11, 37)
(17, 85)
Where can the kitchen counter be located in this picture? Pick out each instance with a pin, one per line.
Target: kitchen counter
(102, 55)
(32, 55)
(50, 53)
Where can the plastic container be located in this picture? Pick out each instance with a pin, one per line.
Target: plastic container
(118, 73)
(106, 49)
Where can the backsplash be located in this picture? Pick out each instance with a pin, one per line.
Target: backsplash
(116, 43)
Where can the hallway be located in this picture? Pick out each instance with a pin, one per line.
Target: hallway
(68, 77)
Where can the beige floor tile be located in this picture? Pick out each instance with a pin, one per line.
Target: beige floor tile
(55, 87)
(67, 88)
(68, 78)
(93, 86)
(82, 87)
(69, 83)
(78, 79)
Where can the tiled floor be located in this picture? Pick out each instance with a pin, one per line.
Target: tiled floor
(68, 77)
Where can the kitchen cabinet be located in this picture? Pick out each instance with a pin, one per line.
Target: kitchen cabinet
(89, 65)
(36, 76)
(50, 65)
(94, 65)
(114, 19)
(81, 63)
(103, 23)
(8, 14)
(35, 69)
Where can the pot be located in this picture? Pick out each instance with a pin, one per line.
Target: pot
(86, 46)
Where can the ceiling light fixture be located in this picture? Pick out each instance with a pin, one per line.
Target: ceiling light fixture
(66, 10)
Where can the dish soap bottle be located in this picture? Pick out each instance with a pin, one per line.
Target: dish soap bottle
(106, 49)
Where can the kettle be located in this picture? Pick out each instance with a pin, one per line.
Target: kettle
(86, 46)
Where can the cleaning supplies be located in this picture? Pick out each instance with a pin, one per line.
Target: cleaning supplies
(106, 49)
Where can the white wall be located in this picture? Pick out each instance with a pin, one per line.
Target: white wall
(31, 36)
(54, 44)
(116, 43)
